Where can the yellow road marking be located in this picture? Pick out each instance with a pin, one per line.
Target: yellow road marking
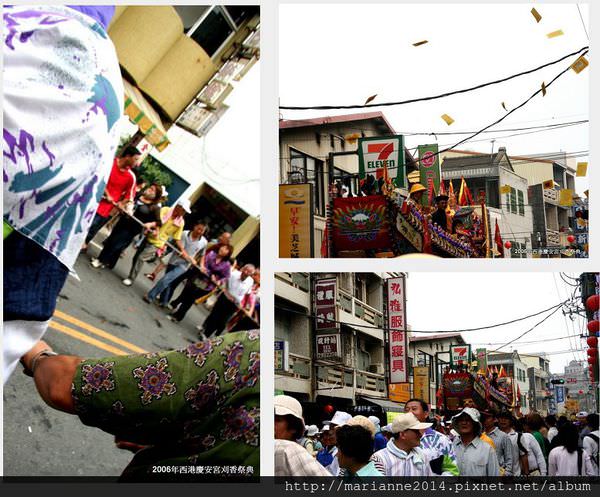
(97, 331)
(84, 338)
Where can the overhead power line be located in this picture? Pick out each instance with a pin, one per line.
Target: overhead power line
(480, 328)
(434, 97)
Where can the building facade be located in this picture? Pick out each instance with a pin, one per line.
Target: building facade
(538, 375)
(505, 191)
(323, 151)
(516, 369)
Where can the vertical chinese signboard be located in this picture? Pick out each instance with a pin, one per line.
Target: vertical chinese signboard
(382, 157)
(430, 173)
(396, 314)
(281, 355)
(421, 383)
(328, 339)
(481, 355)
(295, 221)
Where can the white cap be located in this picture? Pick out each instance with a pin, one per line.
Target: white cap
(312, 430)
(287, 406)
(387, 428)
(408, 421)
(581, 414)
(325, 427)
(184, 203)
(366, 423)
(340, 418)
(374, 420)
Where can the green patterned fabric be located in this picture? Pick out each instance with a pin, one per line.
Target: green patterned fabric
(195, 407)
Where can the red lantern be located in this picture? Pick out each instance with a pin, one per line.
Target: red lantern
(593, 326)
(580, 392)
(592, 352)
(592, 303)
(570, 238)
(592, 342)
(329, 409)
(592, 360)
(508, 245)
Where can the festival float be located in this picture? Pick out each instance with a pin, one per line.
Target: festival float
(391, 225)
(492, 389)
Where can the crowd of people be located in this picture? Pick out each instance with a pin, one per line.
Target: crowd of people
(138, 217)
(471, 443)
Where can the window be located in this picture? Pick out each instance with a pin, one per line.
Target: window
(213, 30)
(521, 201)
(312, 172)
(513, 201)
(346, 179)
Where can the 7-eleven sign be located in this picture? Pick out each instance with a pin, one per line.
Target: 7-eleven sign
(382, 157)
(460, 355)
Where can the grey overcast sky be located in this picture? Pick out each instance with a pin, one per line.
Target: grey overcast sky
(337, 54)
(453, 301)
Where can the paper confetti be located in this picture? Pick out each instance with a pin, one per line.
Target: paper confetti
(370, 99)
(536, 14)
(580, 64)
(566, 197)
(504, 106)
(554, 34)
(543, 89)
(582, 169)
(505, 189)
(419, 43)
(447, 119)
(548, 185)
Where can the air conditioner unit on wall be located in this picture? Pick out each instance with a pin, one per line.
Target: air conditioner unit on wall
(376, 368)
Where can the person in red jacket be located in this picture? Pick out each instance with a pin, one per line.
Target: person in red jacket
(120, 188)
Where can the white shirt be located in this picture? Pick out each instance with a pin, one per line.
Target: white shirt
(291, 459)
(535, 456)
(238, 288)
(591, 446)
(392, 461)
(561, 463)
(552, 432)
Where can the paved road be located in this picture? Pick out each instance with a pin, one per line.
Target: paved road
(96, 317)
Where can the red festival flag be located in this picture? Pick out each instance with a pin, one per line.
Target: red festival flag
(498, 240)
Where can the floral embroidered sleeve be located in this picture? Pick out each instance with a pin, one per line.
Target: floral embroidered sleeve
(184, 403)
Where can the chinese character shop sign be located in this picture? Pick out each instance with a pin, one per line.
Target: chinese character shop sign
(325, 304)
(396, 310)
(328, 346)
(295, 221)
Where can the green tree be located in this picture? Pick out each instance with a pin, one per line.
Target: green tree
(153, 171)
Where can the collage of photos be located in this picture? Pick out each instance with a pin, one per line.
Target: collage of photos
(143, 199)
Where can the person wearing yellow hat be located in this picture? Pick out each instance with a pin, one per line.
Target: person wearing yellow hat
(416, 193)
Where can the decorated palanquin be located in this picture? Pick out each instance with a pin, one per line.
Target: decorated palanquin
(382, 226)
(483, 391)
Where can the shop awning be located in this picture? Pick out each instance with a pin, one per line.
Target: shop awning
(386, 404)
(141, 113)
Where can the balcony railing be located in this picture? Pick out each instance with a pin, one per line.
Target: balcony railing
(360, 309)
(299, 367)
(370, 382)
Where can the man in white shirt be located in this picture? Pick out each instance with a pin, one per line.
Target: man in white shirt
(590, 441)
(291, 459)
(194, 245)
(239, 284)
(524, 445)
(402, 455)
